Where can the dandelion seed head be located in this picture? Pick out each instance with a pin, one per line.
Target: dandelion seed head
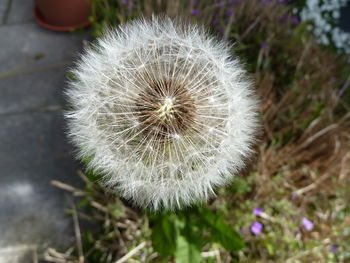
(163, 112)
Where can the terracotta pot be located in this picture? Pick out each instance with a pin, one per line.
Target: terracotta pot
(62, 15)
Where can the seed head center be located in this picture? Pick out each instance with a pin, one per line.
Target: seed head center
(166, 109)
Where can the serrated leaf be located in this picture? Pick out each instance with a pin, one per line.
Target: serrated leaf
(187, 252)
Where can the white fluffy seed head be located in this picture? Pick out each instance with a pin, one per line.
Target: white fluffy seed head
(163, 112)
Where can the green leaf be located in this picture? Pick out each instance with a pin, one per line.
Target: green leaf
(90, 174)
(116, 208)
(240, 186)
(39, 56)
(164, 234)
(187, 252)
(70, 75)
(270, 248)
(83, 203)
(221, 232)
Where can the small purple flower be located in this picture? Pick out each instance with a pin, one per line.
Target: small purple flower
(215, 23)
(307, 224)
(125, 2)
(258, 210)
(194, 12)
(220, 3)
(284, 18)
(340, 92)
(256, 228)
(334, 248)
(229, 12)
(235, 2)
(220, 31)
(263, 45)
(294, 196)
(265, 1)
(295, 20)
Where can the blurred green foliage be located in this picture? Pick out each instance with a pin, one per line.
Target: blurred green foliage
(190, 230)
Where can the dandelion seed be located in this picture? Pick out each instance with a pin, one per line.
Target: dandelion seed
(162, 113)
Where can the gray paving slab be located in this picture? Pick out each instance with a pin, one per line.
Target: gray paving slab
(33, 146)
(26, 46)
(33, 152)
(32, 139)
(21, 11)
(3, 9)
(37, 91)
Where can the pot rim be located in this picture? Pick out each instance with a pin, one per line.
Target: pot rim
(40, 20)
